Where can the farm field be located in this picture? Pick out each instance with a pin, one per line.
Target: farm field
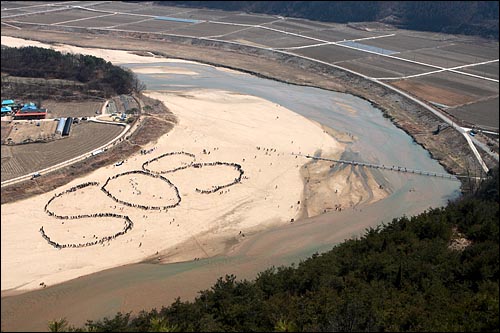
(439, 57)
(480, 50)
(313, 24)
(447, 88)
(289, 26)
(6, 128)
(107, 21)
(205, 29)
(84, 137)
(24, 6)
(202, 14)
(290, 41)
(488, 70)
(247, 19)
(267, 38)
(16, 4)
(58, 16)
(380, 67)
(402, 43)
(12, 12)
(25, 131)
(340, 34)
(484, 113)
(331, 53)
(117, 6)
(58, 109)
(158, 10)
(153, 25)
(124, 103)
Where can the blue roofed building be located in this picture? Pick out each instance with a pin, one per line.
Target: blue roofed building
(8, 102)
(29, 107)
(30, 111)
(6, 110)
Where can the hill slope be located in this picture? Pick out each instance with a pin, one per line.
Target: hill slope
(90, 74)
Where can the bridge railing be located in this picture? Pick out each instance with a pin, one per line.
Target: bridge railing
(392, 168)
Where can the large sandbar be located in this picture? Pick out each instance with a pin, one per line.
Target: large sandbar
(259, 135)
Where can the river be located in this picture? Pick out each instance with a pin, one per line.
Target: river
(148, 285)
(377, 141)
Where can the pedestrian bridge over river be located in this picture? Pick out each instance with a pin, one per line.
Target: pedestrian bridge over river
(392, 168)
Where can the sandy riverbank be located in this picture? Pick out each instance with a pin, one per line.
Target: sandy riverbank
(215, 126)
(259, 135)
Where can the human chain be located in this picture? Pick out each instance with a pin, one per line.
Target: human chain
(216, 188)
(128, 223)
(145, 164)
(128, 226)
(103, 188)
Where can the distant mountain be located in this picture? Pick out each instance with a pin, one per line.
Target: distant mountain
(456, 17)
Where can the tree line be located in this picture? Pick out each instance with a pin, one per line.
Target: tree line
(96, 74)
(407, 275)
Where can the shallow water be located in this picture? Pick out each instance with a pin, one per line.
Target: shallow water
(377, 141)
(146, 285)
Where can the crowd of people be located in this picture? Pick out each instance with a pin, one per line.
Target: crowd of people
(138, 205)
(147, 151)
(216, 188)
(128, 226)
(128, 222)
(73, 189)
(145, 164)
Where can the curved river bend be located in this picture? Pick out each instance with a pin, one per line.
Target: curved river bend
(377, 141)
(145, 285)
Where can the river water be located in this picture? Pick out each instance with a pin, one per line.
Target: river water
(377, 141)
(146, 285)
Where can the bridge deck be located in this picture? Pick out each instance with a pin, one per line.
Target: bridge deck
(391, 168)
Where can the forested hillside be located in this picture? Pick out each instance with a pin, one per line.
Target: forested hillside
(97, 75)
(437, 271)
(457, 17)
